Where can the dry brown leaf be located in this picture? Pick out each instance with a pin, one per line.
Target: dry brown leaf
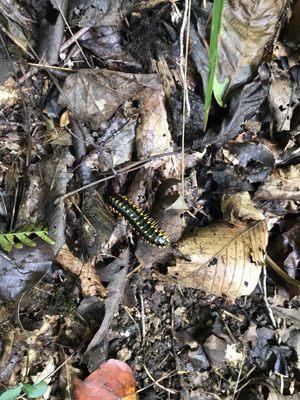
(282, 184)
(223, 260)
(238, 207)
(90, 282)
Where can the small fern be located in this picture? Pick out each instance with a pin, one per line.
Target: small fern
(16, 239)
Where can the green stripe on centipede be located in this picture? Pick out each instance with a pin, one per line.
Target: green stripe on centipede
(141, 221)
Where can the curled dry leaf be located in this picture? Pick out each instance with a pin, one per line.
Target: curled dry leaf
(90, 282)
(282, 184)
(238, 207)
(114, 380)
(223, 260)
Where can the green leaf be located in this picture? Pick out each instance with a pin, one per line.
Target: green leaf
(213, 54)
(44, 235)
(5, 244)
(25, 239)
(8, 242)
(36, 390)
(219, 89)
(11, 394)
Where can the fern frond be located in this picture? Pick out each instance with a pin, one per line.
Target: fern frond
(23, 235)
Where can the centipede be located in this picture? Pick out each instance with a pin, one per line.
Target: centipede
(142, 223)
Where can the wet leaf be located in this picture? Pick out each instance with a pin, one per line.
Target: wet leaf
(247, 27)
(114, 380)
(222, 260)
(245, 105)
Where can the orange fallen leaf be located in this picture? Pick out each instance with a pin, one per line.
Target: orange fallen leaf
(114, 380)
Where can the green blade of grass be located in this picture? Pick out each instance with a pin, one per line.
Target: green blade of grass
(216, 23)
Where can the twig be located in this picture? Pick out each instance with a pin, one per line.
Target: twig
(239, 374)
(169, 375)
(74, 38)
(138, 165)
(143, 318)
(173, 391)
(183, 73)
(264, 287)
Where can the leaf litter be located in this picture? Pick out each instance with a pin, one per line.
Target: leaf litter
(99, 112)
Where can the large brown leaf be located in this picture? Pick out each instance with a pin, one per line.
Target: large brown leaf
(247, 27)
(223, 260)
(114, 380)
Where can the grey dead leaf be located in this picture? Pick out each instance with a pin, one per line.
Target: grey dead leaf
(118, 270)
(283, 98)
(223, 260)
(95, 95)
(282, 184)
(247, 26)
(292, 315)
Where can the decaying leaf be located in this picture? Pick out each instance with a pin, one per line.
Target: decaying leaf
(282, 184)
(153, 135)
(247, 26)
(90, 282)
(283, 98)
(9, 93)
(292, 315)
(114, 380)
(95, 95)
(238, 207)
(223, 260)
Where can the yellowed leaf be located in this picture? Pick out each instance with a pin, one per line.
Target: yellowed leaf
(223, 260)
(238, 207)
(64, 119)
